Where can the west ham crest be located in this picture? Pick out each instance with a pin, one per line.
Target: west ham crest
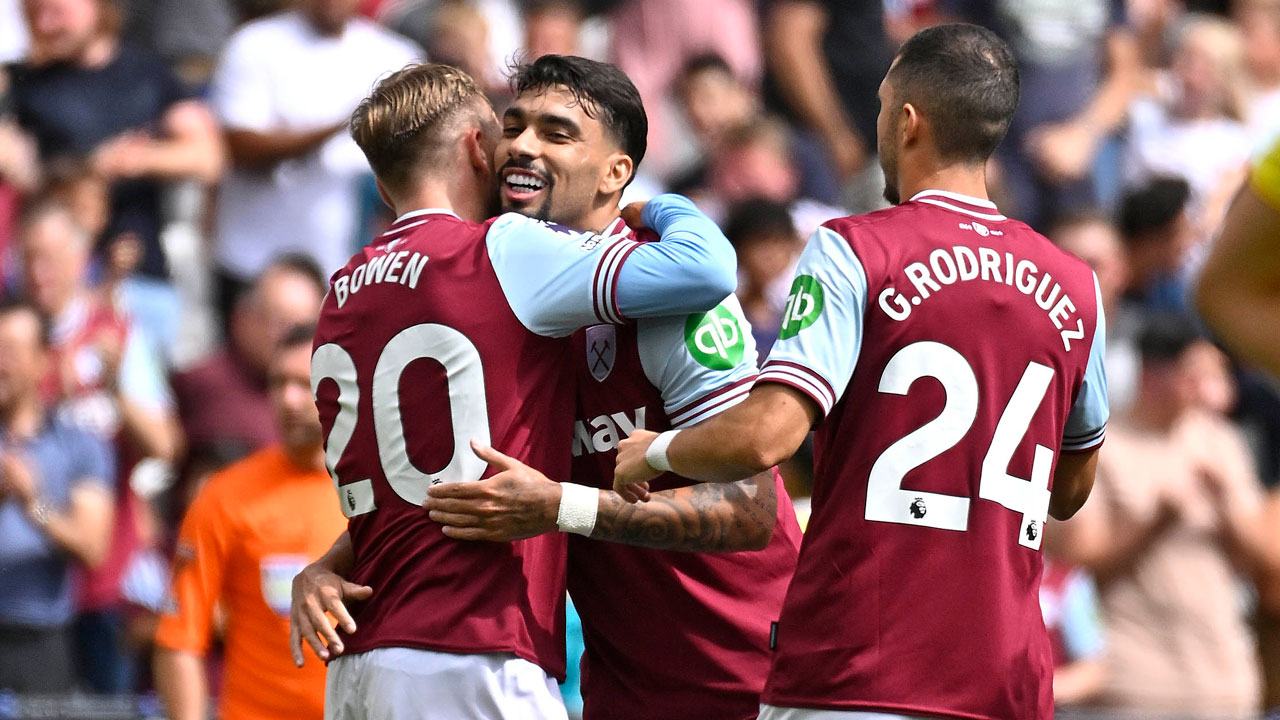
(602, 344)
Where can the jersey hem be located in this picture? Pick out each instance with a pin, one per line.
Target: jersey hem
(890, 708)
(458, 650)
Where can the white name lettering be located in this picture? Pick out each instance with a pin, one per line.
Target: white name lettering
(961, 264)
(402, 268)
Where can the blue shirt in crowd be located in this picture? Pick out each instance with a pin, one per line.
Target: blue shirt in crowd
(35, 576)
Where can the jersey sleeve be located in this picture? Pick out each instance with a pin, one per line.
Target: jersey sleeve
(822, 323)
(1086, 426)
(703, 364)
(198, 567)
(558, 280)
(94, 461)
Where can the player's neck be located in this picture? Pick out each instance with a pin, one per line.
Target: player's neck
(599, 219)
(960, 179)
(461, 201)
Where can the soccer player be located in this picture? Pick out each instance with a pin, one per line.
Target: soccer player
(447, 328)
(696, 643)
(656, 373)
(249, 531)
(951, 360)
(1239, 289)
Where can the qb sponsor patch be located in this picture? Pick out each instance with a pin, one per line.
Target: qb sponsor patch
(804, 306)
(715, 339)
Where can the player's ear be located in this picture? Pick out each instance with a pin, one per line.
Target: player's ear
(479, 159)
(910, 127)
(617, 173)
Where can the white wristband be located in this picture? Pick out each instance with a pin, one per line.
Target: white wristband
(578, 507)
(656, 455)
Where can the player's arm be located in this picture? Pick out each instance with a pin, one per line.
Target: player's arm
(318, 591)
(558, 281)
(182, 637)
(1238, 294)
(1085, 429)
(805, 375)
(520, 502)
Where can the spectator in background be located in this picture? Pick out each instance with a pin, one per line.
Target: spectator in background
(1190, 122)
(1069, 603)
(1078, 65)
(1259, 20)
(103, 377)
(223, 402)
(552, 27)
(716, 103)
(768, 247)
(1155, 223)
(826, 59)
(249, 531)
(1094, 239)
(82, 93)
(652, 40)
(283, 91)
(1175, 514)
(754, 162)
(55, 512)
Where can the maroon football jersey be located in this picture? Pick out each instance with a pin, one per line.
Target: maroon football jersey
(947, 346)
(695, 639)
(418, 350)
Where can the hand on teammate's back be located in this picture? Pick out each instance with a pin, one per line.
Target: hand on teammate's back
(319, 593)
(632, 475)
(517, 503)
(632, 215)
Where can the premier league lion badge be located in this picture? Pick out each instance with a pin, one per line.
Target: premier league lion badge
(601, 350)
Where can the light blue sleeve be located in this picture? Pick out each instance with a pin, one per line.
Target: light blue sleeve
(822, 323)
(1081, 624)
(703, 363)
(558, 280)
(1086, 426)
(691, 270)
(141, 379)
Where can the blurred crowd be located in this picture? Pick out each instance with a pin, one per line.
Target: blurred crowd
(176, 183)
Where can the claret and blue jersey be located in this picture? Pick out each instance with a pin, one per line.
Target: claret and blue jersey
(953, 354)
(443, 330)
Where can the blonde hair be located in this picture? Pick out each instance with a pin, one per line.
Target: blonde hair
(402, 126)
(1223, 44)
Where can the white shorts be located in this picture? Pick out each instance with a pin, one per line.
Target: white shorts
(408, 684)
(769, 712)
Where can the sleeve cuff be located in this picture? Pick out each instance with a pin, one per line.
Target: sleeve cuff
(711, 403)
(1084, 442)
(604, 289)
(803, 379)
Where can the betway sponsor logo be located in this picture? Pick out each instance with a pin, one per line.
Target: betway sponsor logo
(603, 433)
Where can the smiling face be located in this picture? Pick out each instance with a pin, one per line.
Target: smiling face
(556, 162)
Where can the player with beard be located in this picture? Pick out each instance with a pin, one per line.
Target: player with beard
(951, 360)
(446, 328)
(568, 114)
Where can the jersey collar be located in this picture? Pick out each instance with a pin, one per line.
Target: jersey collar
(966, 204)
(616, 229)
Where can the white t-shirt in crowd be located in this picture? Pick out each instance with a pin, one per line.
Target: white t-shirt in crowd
(1205, 152)
(276, 74)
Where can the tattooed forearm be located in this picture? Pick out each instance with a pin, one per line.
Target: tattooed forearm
(708, 517)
